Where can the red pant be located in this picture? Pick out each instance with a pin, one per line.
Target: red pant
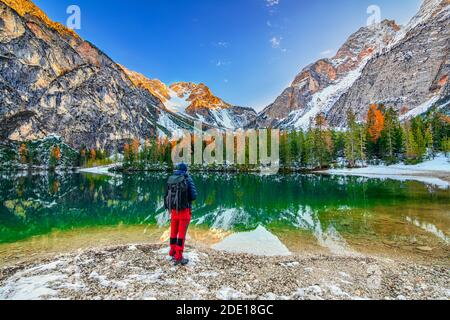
(178, 229)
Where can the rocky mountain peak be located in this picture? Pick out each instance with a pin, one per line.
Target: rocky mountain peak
(154, 86)
(199, 95)
(28, 8)
(324, 73)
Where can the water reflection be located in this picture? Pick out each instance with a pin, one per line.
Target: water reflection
(335, 211)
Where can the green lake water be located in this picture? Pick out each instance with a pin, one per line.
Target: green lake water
(42, 213)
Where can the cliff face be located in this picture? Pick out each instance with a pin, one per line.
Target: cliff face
(406, 68)
(53, 82)
(296, 102)
(410, 75)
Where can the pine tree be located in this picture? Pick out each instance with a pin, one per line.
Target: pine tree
(285, 154)
(83, 158)
(351, 139)
(126, 155)
(445, 145)
(322, 141)
(391, 137)
(362, 144)
(429, 141)
(310, 158)
(411, 146)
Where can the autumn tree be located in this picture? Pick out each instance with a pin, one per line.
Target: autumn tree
(375, 123)
(93, 154)
(135, 144)
(83, 158)
(55, 157)
(23, 153)
(126, 154)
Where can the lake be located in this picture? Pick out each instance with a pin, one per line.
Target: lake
(50, 213)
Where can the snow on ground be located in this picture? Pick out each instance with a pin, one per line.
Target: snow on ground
(103, 170)
(146, 272)
(424, 172)
(258, 242)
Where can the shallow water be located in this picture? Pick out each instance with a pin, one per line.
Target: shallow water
(43, 213)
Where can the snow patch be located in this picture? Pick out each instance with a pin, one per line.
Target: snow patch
(103, 170)
(420, 172)
(177, 104)
(423, 108)
(258, 242)
(324, 100)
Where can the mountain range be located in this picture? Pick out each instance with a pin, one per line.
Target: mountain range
(52, 82)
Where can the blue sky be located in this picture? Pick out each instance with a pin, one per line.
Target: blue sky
(246, 51)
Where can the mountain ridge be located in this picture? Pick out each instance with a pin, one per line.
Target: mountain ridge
(54, 82)
(195, 101)
(331, 87)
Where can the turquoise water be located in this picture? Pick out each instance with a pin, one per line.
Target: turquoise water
(320, 208)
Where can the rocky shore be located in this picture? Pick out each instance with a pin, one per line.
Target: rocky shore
(145, 272)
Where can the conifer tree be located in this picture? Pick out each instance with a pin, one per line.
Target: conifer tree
(429, 141)
(351, 147)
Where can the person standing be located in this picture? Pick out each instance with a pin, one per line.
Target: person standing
(180, 194)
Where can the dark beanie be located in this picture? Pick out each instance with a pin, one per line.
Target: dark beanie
(182, 167)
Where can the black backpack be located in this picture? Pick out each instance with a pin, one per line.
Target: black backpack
(177, 194)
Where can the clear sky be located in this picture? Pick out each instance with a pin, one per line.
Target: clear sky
(246, 51)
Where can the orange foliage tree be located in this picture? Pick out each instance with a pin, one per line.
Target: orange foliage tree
(135, 146)
(93, 154)
(57, 153)
(23, 153)
(375, 123)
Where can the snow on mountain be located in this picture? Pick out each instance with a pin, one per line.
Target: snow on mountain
(194, 102)
(406, 68)
(324, 100)
(318, 86)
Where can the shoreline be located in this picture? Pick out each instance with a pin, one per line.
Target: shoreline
(144, 272)
(435, 172)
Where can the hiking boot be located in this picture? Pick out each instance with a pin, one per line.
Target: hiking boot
(182, 262)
